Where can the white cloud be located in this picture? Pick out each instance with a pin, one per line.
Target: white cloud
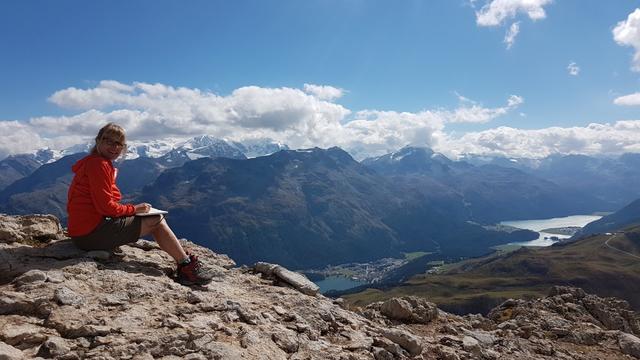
(323, 92)
(463, 99)
(471, 112)
(627, 33)
(497, 11)
(106, 94)
(628, 100)
(510, 36)
(18, 137)
(573, 69)
(514, 101)
(288, 115)
(374, 133)
(299, 119)
(593, 139)
(148, 110)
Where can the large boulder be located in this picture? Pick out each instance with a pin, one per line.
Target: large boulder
(297, 280)
(25, 228)
(629, 344)
(614, 314)
(406, 340)
(409, 309)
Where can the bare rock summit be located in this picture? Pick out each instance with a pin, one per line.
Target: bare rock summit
(58, 302)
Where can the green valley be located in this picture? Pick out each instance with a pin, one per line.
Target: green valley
(605, 264)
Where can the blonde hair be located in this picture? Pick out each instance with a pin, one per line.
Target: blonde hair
(111, 130)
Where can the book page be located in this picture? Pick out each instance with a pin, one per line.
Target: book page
(153, 211)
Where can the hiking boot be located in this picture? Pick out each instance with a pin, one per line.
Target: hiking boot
(117, 252)
(193, 273)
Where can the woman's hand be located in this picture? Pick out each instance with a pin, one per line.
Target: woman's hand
(142, 208)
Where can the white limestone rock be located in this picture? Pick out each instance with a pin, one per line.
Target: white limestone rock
(297, 280)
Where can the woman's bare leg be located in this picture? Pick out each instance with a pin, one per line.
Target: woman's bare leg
(163, 235)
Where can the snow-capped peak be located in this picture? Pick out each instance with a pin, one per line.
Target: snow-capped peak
(262, 147)
(46, 155)
(151, 148)
(191, 148)
(201, 142)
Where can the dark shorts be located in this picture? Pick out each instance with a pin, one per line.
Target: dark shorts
(110, 233)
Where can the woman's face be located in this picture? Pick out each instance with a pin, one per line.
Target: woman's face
(110, 147)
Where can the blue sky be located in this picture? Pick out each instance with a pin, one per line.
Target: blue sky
(370, 76)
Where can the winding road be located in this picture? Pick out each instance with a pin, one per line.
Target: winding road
(616, 249)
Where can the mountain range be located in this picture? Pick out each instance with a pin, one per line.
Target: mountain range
(170, 152)
(314, 207)
(38, 182)
(612, 180)
(309, 208)
(490, 193)
(16, 167)
(43, 192)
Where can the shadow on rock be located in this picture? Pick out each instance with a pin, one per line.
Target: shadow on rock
(17, 260)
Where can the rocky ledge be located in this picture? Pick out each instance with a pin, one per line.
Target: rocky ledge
(59, 302)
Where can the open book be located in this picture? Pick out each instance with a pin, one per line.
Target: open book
(153, 211)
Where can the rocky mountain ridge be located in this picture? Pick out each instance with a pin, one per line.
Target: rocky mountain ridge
(306, 209)
(300, 208)
(606, 183)
(490, 192)
(47, 186)
(16, 167)
(59, 302)
(610, 179)
(162, 154)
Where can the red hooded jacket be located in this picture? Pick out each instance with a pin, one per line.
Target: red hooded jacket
(93, 195)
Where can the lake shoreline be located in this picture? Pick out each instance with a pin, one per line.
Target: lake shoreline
(347, 276)
(549, 229)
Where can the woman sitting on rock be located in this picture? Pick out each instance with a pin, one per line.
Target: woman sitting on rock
(97, 219)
